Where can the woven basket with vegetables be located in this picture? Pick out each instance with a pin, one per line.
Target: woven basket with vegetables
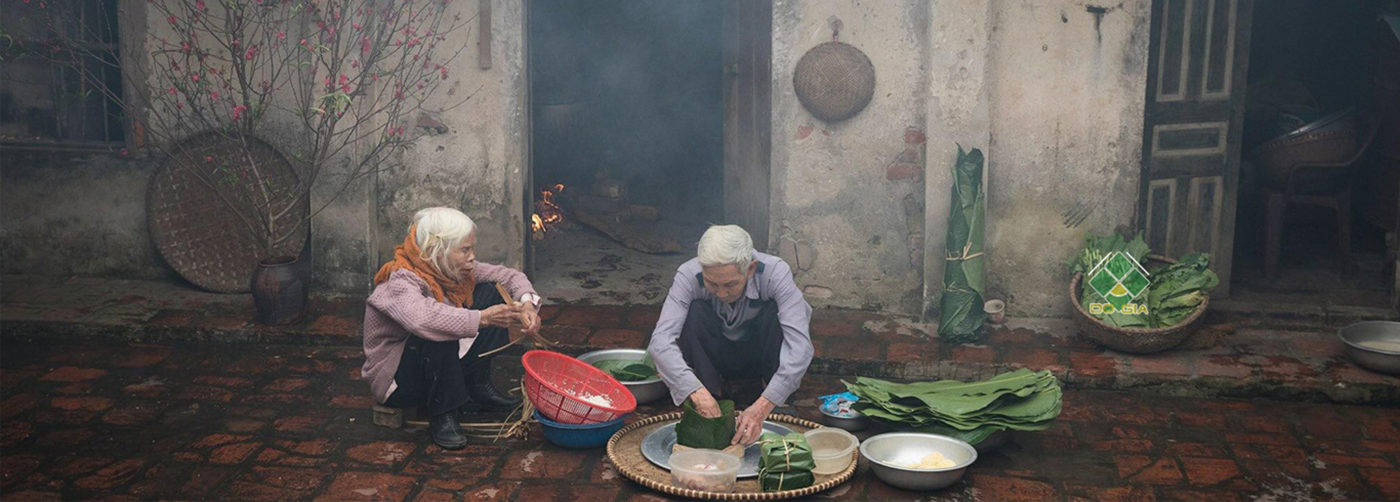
(1175, 299)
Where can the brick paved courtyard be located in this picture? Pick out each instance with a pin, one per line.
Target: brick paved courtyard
(120, 421)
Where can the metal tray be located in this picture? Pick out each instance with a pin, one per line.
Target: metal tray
(657, 446)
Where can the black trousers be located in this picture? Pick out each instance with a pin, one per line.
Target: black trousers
(720, 363)
(430, 374)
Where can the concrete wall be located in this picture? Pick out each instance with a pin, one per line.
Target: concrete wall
(847, 205)
(89, 210)
(1066, 89)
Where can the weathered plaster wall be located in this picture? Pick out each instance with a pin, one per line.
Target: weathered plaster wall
(1066, 89)
(479, 164)
(67, 214)
(847, 205)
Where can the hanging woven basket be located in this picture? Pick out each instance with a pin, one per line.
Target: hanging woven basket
(834, 81)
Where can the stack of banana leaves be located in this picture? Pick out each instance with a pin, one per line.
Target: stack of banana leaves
(1020, 400)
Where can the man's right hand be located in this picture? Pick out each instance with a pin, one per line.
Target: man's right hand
(705, 403)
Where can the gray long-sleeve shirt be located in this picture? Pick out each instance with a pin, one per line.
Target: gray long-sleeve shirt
(772, 281)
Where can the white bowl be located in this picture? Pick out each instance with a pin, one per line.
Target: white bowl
(685, 474)
(833, 449)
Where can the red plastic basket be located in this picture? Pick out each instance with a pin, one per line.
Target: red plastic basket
(554, 382)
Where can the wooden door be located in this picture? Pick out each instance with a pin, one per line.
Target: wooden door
(1194, 115)
(747, 45)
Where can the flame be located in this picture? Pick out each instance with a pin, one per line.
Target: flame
(547, 213)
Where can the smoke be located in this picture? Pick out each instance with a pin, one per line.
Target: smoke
(633, 90)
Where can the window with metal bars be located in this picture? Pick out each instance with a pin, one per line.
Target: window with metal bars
(60, 75)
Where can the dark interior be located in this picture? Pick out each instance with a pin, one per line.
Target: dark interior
(1314, 63)
(629, 92)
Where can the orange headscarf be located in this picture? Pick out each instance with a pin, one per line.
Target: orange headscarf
(408, 257)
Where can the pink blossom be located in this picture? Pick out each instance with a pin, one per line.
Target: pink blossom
(214, 95)
(199, 4)
(172, 89)
(238, 111)
(123, 152)
(194, 77)
(171, 19)
(208, 158)
(281, 35)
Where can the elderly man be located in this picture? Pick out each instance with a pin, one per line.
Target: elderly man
(732, 314)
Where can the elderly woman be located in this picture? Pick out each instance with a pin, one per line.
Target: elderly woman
(433, 311)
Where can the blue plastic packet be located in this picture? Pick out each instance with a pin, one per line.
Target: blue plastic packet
(840, 404)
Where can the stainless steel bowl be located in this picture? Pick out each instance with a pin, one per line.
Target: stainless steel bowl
(888, 453)
(645, 391)
(855, 423)
(1374, 345)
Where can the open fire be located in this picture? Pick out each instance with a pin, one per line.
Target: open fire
(547, 212)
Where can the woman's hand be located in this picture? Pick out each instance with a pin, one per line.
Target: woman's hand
(499, 315)
(529, 318)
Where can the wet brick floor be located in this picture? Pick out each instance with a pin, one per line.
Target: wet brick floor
(255, 422)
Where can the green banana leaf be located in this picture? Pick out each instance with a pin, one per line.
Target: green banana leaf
(627, 371)
(960, 309)
(696, 431)
(1018, 400)
(785, 462)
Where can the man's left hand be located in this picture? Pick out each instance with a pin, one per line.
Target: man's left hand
(750, 424)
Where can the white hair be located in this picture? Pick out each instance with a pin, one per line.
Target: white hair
(725, 245)
(439, 230)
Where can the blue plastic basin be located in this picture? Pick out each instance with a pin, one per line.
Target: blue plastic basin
(578, 436)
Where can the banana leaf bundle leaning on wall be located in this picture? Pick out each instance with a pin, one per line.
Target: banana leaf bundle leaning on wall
(1020, 400)
(960, 309)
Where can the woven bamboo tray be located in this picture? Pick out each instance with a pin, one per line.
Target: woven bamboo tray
(1132, 340)
(625, 452)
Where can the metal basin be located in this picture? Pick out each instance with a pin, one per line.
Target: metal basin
(644, 391)
(889, 453)
(1375, 345)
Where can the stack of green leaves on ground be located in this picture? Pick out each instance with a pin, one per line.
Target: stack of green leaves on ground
(1173, 293)
(785, 462)
(1020, 400)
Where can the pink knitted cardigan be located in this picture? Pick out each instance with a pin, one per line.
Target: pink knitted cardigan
(402, 306)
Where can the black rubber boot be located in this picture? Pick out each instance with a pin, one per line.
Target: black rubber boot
(446, 432)
(483, 393)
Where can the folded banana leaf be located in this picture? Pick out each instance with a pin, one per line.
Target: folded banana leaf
(696, 431)
(785, 462)
(960, 309)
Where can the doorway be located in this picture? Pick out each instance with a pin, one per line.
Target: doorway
(633, 119)
(1318, 180)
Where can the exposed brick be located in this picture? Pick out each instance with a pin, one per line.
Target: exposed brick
(617, 338)
(1386, 481)
(828, 329)
(913, 136)
(1265, 423)
(1124, 445)
(205, 393)
(368, 486)
(1209, 471)
(1328, 425)
(222, 381)
(536, 464)
(643, 318)
(1011, 488)
(848, 348)
(287, 385)
(135, 413)
(233, 453)
(900, 352)
(973, 354)
(1196, 450)
(1090, 493)
(1160, 364)
(72, 374)
(277, 483)
(1196, 495)
(1144, 469)
(112, 475)
(381, 452)
(298, 424)
(19, 403)
(903, 171)
(13, 432)
(354, 402)
(593, 316)
(575, 336)
(1211, 419)
(239, 425)
(431, 495)
(1382, 427)
(82, 403)
(335, 325)
(65, 438)
(493, 492)
(141, 358)
(1352, 460)
(1250, 437)
(203, 480)
(1094, 365)
(1030, 357)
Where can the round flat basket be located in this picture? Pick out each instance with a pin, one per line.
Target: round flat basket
(194, 201)
(834, 81)
(625, 452)
(1132, 340)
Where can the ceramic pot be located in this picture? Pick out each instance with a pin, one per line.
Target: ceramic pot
(279, 292)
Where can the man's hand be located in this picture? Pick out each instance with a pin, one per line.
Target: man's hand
(750, 424)
(705, 403)
(500, 315)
